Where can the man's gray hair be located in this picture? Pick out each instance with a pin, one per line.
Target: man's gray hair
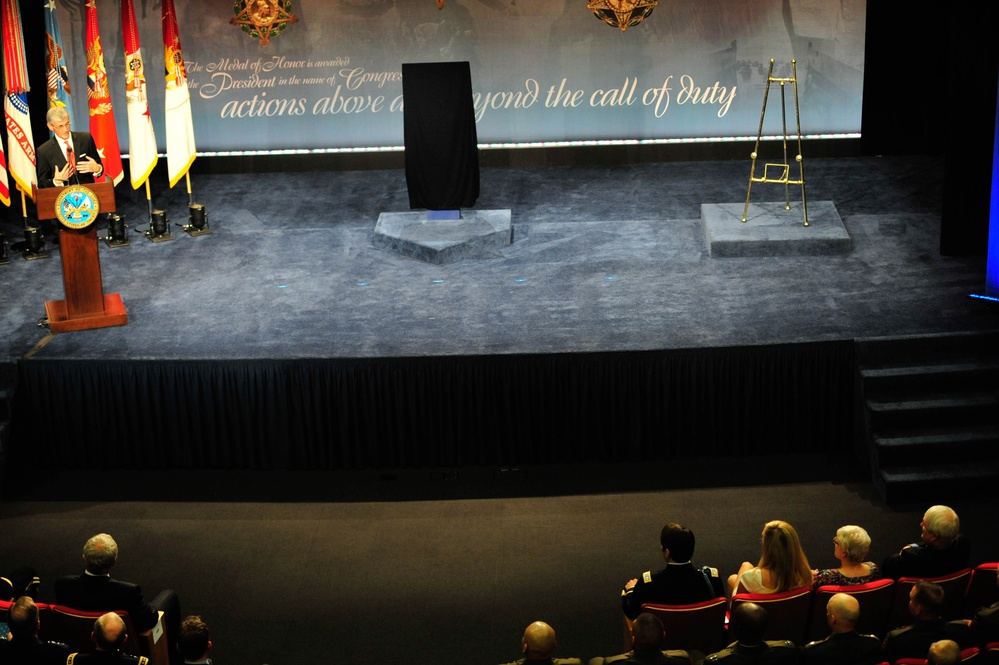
(55, 113)
(100, 553)
(942, 522)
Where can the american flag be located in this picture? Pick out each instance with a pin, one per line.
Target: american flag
(20, 144)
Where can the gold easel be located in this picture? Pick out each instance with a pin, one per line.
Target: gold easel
(785, 168)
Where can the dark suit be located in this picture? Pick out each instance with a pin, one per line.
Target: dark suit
(106, 658)
(922, 561)
(843, 649)
(49, 157)
(915, 640)
(33, 652)
(676, 584)
(772, 652)
(653, 658)
(100, 593)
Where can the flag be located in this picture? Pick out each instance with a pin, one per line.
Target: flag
(20, 144)
(180, 148)
(99, 97)
(57, 76)
(4, 189)
(142, 154)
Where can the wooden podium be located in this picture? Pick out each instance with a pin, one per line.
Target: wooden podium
(86, 305)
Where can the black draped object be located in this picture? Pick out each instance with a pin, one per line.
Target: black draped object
(442, 160)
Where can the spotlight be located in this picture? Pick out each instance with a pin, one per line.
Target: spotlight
(198, 217)
(116, 231)
(34, 244)
(159, 227)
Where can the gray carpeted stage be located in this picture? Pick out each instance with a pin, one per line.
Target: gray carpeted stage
(603, 258)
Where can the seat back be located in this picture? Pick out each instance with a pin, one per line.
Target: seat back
(875, 600)
(955, 587)
(989, 654)
(74, 627)
(969, 655)
(699, 626)
(788, 612)
(982, 589)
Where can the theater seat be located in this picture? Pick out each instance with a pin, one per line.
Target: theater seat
(74, 627)
(967, 656)
(989, 654)
(982, 589)
(699, 627)
(875, 600)
(787, 612)
(955, 587)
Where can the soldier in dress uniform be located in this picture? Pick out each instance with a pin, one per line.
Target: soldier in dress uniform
(647, 635)
(679, 583)
(749, 624)
(913, 641)
(844, 646)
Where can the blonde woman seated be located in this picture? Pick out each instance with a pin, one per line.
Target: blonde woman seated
(782, 565)
(850, 546)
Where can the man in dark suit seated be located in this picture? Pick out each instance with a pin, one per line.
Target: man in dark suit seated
(749, 624)
(96, 591)
(647, 635)
(925, 602)
(109, 634)
(538, 645)
(985, 623)
(23, 646)
(844, 646)
(679, 583)
(941, 550)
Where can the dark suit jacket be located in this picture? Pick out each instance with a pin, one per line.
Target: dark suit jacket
(49, 157)
(103, 594)
(922, 561)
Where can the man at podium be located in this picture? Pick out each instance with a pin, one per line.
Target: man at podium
(68, 158)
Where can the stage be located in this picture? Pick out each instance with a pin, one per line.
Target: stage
(605, 332)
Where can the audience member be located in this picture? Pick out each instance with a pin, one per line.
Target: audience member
(749, 624)
(679, 583)
(647, 635)
(24, 647)
(941, 551)
(782, 565)
(193, 643)
(844, 645)
(538, 645)
(22, 581)
(850, 546)
(944, 652)
(985, 623)
(925, 602)
(96, 591)
(108, 636)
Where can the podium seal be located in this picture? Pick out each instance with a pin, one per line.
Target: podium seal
(77, 207)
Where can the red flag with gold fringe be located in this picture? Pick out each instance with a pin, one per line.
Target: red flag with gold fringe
(102, 125)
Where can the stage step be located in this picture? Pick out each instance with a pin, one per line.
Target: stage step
(931, 409)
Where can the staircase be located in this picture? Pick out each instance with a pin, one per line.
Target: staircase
(930, 414)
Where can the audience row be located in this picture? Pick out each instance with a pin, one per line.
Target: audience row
(95, 591)
(783, 566)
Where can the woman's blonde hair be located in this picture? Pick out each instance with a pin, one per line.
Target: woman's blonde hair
(783, 556)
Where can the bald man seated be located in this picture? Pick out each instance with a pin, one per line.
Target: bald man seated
(108, 636)
(647, 636)
(844, 644)
(538, 645)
